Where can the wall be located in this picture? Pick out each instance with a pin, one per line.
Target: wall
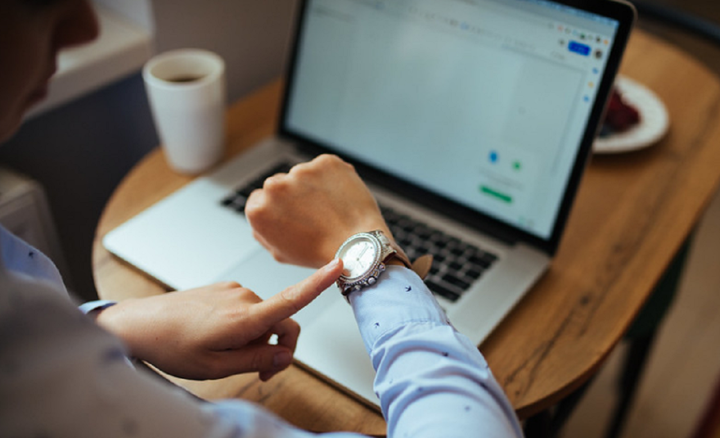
(79, 152)
(250, 35)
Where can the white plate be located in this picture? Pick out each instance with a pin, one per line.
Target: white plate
(654, 121)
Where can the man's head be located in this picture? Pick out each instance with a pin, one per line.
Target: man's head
(32, 32)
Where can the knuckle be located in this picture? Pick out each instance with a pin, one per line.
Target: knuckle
(245, 294)
(294, 328)
(348, 166)
(328, 160)
(295, 168)
(299, 170)
(294, 323)
(270, 183)
(254, 200)
(288, 302)
(278, 256)
(256, 362)
(259, 219)
(274, 183)
(229, 285)
(256, 207)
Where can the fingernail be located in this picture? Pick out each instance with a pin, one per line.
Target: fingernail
(282, 359)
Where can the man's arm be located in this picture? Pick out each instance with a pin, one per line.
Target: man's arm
(61, 375)
(431, 380)
(217, 330)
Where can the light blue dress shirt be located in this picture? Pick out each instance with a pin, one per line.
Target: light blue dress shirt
(63, 376)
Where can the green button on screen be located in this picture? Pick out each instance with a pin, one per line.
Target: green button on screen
(494, 193)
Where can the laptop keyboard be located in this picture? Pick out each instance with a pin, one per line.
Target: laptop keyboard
(456, 264)
(239, 197)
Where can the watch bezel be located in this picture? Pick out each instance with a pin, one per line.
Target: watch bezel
(374, 267)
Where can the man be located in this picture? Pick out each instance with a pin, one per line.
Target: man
(63, 375)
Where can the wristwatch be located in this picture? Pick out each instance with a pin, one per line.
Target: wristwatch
(364, 256)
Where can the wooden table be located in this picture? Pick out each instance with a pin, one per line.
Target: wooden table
(632, 214)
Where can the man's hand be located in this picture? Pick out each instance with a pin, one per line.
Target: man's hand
(303, 217)
(217, 330)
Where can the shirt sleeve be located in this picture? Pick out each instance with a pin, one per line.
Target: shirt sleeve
(95, 305)
(431, 380)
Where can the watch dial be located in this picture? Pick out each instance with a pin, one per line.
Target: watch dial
(358, 257)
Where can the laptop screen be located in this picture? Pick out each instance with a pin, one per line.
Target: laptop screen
(483, 102)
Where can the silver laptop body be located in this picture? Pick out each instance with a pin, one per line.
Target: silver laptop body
(470, 120)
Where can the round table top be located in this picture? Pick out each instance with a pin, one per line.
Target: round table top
(632, 213)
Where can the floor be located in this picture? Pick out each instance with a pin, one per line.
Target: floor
(685, 362)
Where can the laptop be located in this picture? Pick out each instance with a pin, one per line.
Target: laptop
(471, 121)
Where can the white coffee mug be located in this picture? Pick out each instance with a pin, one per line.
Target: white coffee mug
(186, 90)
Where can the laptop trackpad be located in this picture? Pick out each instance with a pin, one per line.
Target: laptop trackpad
(330, 342)
(332, 346)
(263, 275)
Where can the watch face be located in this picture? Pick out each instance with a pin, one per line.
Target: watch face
(359, 256)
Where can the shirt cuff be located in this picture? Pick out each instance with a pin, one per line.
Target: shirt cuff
(398, 298)
(96, 305)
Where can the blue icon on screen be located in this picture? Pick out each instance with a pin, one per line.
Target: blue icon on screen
(579, 48)
(493, 157)
(596, 71)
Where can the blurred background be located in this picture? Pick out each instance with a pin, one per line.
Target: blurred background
(96, 123)
(678, 392)
(71, 153)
